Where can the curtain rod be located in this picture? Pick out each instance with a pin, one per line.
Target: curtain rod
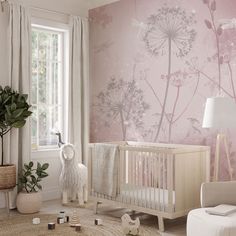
(53, 11)
(42, 9)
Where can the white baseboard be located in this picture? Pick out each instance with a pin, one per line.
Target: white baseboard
(51, 194)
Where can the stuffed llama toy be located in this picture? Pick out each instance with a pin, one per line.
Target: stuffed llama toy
(74, 176)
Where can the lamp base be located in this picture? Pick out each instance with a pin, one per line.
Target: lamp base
(221, 138)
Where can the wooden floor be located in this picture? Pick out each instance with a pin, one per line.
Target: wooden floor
(173, 227)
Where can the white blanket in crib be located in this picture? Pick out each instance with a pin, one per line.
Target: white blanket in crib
(105, 169)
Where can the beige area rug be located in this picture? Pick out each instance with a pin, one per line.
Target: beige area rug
(21, 225)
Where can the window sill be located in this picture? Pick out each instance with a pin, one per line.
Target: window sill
(45, 153)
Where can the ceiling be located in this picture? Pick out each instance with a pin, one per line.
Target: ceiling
(79, 7)
(96, 3)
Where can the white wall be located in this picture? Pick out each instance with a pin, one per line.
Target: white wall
(50, 184)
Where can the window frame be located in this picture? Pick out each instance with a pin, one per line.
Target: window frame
(52, 150)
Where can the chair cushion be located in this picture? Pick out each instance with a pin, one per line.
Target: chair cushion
(201, 223)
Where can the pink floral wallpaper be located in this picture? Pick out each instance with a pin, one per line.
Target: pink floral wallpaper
(154, 63)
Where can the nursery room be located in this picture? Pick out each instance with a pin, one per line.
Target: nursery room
(118, 117)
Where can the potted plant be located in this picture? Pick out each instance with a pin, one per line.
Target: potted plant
(29, 200)
(14, 110)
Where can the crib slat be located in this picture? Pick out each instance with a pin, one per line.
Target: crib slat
(146, 181)
(137, 160)
(150, 164)
(149, 180)
(160, 181)
(133, 170)
(127, 186)
(170, 182)
(164, 181)
(155, 174)
(123, 171)
(140, 179)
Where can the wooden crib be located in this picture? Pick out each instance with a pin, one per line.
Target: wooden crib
(158, 179)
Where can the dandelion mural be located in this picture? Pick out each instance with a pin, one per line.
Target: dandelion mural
(227, 47)
(179, 52)
(169, 30)
(217, 30)
(122, 102)
(178, 80)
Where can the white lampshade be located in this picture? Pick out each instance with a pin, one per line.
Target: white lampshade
(220, 112)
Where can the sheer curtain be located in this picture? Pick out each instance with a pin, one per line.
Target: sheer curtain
(18, 142)
(78, 118)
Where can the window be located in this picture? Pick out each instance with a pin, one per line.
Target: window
(48, 73)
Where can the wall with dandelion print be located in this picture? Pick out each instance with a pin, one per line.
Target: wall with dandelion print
(154, 63)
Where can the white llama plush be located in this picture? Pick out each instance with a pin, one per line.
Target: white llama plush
(74, 176)
(129, 226)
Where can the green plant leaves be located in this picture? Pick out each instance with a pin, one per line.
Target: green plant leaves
(31, 164)
(27, 113)
(45, 166)
(39, 166)
(27, 173)
(6, 99)
(14, 110)
(43, 175)
(30, 177)
(39, 186)
(2, 126)
(34, 180)
(19, 124)
(8, 108)
(14, 105)
(26, 167)
(18, 112)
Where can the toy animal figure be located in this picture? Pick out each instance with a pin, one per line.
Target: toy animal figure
(74, 176)
(130, 226)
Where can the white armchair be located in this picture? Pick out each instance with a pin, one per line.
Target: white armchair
(200, 223)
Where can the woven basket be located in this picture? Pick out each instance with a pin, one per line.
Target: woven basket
(7, 176)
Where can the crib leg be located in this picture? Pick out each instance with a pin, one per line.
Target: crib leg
(81, 197)
(73, 198)
(96, 207)
(64, 197)
(161, 224)
(85, 194)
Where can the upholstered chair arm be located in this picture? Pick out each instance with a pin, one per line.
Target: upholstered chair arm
(215, 193)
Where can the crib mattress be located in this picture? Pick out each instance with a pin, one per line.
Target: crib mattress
(154, 198)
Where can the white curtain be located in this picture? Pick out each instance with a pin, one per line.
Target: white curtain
(19, 141)
(78, 118)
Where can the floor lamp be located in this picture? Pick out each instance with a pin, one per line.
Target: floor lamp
(220, 113)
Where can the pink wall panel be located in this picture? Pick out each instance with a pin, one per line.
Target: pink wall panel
(154, 63)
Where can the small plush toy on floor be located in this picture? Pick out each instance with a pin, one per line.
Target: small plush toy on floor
(130, 226)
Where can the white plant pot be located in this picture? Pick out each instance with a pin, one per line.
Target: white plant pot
(28, 203)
